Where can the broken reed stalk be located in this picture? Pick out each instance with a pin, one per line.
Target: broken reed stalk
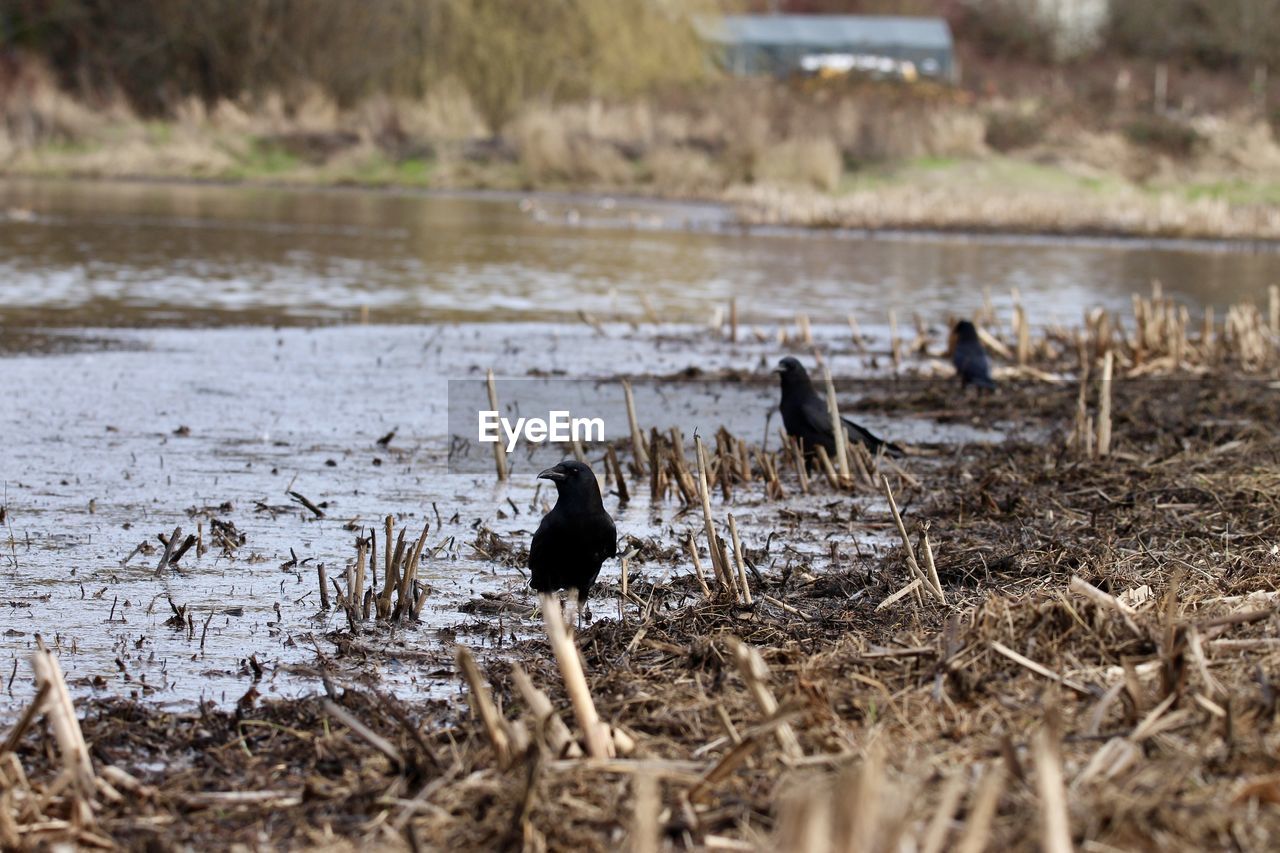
(837, 427)
(806, 333)
(899, 595)
(24, 722)
(935, 835)
(545, 718)
(645, 823)
(982, 809)
(856, 333)
(406, 590)
(713, 540)
(482, 704)
(61, 714)
(906, 543)
(733, 319)
(623, 593)
(697, 565)
(895, 349)
(1082, 587)
(594, 732)
(726, 560)
(1055, 825)
(737, 558)
(657, 476)
(638, 448)
(828, 469)
(366, 734)
(866, 792)
(1083, 430)
(611, 457)
(355, 593)
(755, 673)
(930, 567)
(169, 545)
(863, 463)
(686, 482)
(499, 452)
(390, 568)
(1023, 332)
(797, 459)
(324, 586)
(744, 459)
(1104, 407)
(1273, 308)
(769, 470)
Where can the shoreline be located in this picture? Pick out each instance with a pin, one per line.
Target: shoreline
(735, 215)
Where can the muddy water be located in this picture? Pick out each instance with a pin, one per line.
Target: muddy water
(159, 428)
(129, 254)
(145, 385)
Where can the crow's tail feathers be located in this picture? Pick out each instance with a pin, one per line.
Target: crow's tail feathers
(873, 442)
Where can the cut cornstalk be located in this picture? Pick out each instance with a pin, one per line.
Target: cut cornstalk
(499, 452)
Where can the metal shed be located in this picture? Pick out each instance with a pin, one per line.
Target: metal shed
(781, 44)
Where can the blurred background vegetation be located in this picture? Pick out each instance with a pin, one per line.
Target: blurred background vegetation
(623, 94)
(156, 53)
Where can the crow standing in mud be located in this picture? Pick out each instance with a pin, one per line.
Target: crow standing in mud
(576, 537)
(969, 357)
(805, 415)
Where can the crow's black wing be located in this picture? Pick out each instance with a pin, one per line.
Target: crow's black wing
(544, 554)
(815, 417)
(818, 418)
(971, 363)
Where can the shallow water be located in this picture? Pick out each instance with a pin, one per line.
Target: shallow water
(163, 428)
(145, 254)
(143, 388)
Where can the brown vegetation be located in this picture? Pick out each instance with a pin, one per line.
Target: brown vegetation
(622, 97)
(1097, 673)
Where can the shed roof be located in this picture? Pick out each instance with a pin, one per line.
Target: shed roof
(827, 30)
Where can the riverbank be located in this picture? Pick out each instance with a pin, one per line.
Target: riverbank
(870, 156)
(959, 197)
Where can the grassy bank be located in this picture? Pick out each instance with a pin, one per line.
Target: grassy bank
(870, 155)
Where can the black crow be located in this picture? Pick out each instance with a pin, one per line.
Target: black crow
(805, 415)
(575, 537)
(969, 357)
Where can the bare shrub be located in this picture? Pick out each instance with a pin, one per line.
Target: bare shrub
(684, 171)
(812, 163)
(543, 145)
(35, 111)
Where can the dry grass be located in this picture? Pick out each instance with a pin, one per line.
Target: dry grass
(783, 154)
(813, 163)
(960, 208)
(685, 171)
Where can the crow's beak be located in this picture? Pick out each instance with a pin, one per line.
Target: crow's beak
(552, 474)
(779, 369)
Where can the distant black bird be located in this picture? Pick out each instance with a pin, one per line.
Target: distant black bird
(805, 415)
(576, 537)
(969, 357)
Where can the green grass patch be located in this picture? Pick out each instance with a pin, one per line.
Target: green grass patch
(264, 160)
(1235, 191)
